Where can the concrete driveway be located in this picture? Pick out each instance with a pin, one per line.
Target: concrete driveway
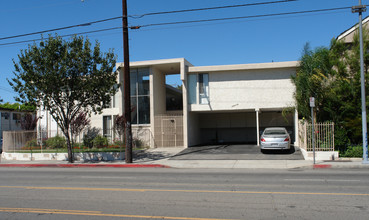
(235, 152)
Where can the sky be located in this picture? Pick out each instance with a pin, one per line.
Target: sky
(241, 41)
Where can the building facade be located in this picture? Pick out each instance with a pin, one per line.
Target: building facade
(213, 105)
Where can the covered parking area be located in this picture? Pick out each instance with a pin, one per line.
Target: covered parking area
(239, 127)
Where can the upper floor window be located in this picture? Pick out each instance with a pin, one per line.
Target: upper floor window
(203, 88)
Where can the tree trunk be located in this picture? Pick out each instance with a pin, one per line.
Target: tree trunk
(70, 153)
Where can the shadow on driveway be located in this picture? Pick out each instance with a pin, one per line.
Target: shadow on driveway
(235, 152)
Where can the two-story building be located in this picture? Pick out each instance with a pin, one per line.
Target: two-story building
(217, 104)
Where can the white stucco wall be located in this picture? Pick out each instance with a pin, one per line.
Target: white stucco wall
(249, 89)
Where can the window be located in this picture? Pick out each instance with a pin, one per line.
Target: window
(192, 81)
(140, 96)
(107, 126)
(204, 88)
(16, 116)
(5, 115)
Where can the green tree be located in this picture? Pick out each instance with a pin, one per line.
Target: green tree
(332, 76)
(65, 78)
(314, 79)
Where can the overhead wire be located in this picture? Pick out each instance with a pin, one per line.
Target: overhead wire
(66, 35)
(195, 21)
(240, 17)
(147, 14)
(61, 28)
(211, 8)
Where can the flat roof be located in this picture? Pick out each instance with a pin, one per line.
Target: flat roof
(152, 62)
(252, 66)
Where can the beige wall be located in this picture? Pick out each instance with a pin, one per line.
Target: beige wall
(193, 126)
(249, 89)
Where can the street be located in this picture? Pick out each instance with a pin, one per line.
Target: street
(199, 194)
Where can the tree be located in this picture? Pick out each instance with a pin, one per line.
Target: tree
(78, 124)
(29, 122)
(119, 127)
(332, 76)
(65, 78)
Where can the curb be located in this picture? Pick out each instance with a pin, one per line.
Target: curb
(322, 166)
(88, 165)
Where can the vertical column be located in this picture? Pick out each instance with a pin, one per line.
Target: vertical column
(296, 119)
(257, 127)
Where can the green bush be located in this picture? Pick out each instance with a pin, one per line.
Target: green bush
(100, 141)
(353, 151)
(32, 143)
(56, 142)
(137, 143)
(89, 136)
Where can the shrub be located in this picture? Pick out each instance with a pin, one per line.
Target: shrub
(89, 136)
(353, 151)
(31, 144)
(137, 142)
(56, 142)
(100, 141)
(117, 141)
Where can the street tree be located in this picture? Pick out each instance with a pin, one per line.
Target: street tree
(332, 76)
(65, 77)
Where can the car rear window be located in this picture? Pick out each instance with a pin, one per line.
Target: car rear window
(270, 132)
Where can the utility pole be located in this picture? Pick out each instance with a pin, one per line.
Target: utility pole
(126, 86)
(360, 9)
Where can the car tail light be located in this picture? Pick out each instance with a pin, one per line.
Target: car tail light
(287, 139)
(262, 140)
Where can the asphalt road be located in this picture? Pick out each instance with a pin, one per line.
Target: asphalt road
(185, 194)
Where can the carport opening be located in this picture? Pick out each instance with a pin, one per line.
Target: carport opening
(235, 127)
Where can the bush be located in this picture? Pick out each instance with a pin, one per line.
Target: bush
(353, 151)
(32, 143)
(89, 136)
(56, 142)
(117, 141)
(100, 141)
(137, 142)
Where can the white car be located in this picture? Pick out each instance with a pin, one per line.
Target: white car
(276, 139)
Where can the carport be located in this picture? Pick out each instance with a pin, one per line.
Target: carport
(239, 127)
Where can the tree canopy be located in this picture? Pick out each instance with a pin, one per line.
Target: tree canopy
(332, 76)
(18, 107)
(65, 77)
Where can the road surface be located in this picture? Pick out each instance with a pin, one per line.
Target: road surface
(184, 194)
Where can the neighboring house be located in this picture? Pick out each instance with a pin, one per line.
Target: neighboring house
(348, 35)
(218, 104)
(10, 120)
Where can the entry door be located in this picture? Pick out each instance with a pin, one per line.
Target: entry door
(169, 134)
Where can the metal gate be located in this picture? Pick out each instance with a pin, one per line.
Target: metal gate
(168, 131)
(323, 137)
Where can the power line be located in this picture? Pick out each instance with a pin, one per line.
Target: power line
(241, 17)
(140, 16)
(67, 35)
(193, 21)
(62, 28)
(211, 8)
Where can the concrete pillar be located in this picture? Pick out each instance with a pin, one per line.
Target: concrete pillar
(257, 127)
(296, 119)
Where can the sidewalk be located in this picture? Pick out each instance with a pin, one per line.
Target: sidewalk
(163, 158)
